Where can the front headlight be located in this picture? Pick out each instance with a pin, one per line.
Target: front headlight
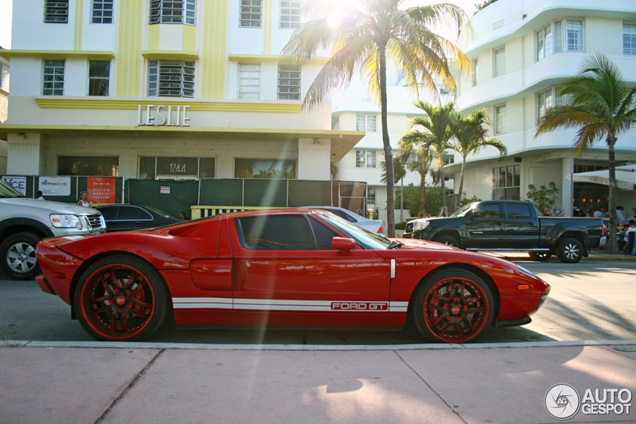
(66, 221)
(420, 225)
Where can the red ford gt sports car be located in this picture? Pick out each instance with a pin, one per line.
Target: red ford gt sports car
(282, 268)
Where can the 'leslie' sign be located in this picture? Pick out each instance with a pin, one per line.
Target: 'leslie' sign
(163, 116)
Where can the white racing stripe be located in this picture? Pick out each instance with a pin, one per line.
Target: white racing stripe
(287, 305)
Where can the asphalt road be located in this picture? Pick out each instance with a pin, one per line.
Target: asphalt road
(591, 301)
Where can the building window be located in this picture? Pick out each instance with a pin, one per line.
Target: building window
(288, 82)
(371, 195)
(500, 119)
(102, 12)
(544, 103)
(289, 14)
(53, 78)
(507, 183)
(100, 166)
(499, 64)
(172, 12)
(249, 81)
(629, 39)
(251, 13)
(366, 159)
(56, 11)
(4, 75)
(448, 160)
(98, 77)
(475, 72)
(171, 78)
(367, 123)
(560, 36)
(265, 168)
(152, 167)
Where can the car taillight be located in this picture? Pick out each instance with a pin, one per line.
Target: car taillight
(380, 230)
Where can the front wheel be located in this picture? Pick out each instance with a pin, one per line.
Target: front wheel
(453, 306)
(121, 298)
(570, 250)
(18, 256)
(540, 256)
(449, 240)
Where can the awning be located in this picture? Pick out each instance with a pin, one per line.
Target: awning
(625, 177)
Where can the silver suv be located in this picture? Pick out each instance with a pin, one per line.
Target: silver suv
(24, 222)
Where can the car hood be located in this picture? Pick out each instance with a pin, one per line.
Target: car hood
(422, 244)
(48, 206)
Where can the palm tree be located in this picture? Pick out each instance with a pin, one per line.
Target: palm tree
(367, 36)
(600, 105)
(413, 143)
(470, 137)
(399, 172)
(435, 130)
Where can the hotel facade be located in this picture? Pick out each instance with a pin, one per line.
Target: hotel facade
(521, 53)
(153, 89)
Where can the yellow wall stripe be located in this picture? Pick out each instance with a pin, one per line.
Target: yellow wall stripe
(194, 106)
(79, 11)
(129, 60)
(267, 26)
(214, 61)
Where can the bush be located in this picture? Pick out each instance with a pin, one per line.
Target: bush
(543, 198)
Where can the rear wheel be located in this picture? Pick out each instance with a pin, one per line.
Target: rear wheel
(121, 298)
(453, 306)
(540, 256)
(570, 250)
(18, 256)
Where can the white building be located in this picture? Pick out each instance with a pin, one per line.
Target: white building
(521, 52)
(133, 87)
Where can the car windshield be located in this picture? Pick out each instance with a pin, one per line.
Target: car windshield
(463, 210)
(364, 238)
(7, 191)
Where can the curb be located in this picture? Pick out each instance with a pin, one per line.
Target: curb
(297, 347)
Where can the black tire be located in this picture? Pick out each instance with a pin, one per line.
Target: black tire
(540, 256)
(121, 298)
(453, 306)
(445, 239)
(18, 256)
(570, 250)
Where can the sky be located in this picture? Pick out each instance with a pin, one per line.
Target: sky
(6, 7)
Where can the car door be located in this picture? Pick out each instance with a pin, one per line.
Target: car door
(131, 217)
(284, 263)
(109, 213)
(485, 226)
(521, 228)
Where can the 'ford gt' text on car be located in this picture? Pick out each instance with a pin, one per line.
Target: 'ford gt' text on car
(282, 268)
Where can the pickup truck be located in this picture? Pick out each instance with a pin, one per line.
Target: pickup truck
(24, 222)
(506, 225)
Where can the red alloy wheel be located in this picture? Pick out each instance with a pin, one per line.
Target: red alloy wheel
(118, 301)
(455, 308)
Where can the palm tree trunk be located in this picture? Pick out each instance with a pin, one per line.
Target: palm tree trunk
(422, 213)
(461, 184)
(611, 242)
(388, 154)
(441, 176)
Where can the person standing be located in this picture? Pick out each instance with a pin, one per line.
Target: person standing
(39, 196)
(83, 201)
(621, 216)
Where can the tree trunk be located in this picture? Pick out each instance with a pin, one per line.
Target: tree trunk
(422, 213)
(388, 154)
(461, 184)
(441, 177)
(612, 245)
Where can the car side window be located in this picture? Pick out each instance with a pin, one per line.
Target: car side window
(275, 232)
(132, 213)
(109, 212)
(518, 211)
(488, 211)
(324, 235)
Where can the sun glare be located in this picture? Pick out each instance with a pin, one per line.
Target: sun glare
(333, 21)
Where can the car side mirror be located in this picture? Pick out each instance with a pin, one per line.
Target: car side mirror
(343, 244)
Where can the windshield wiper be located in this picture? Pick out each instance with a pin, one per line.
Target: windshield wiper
(395, 245)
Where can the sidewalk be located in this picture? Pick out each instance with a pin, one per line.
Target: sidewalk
(150, 383)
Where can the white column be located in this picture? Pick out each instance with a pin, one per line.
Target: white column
(314, 159)
(567, 191)
(24, 155)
